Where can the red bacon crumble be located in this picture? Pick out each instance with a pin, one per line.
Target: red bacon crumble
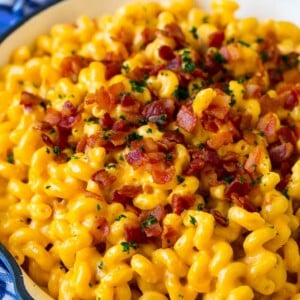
(135, 157)
(216, 39)
(29, 99)
(238, 186)
(169, 236)
(103, 178)
(72, 65)
(135, 234)
(186, 119)
(165, 52)
(100, 230)
(219, 218)
(180, 203)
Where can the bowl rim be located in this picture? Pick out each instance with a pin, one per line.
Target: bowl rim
(16, 274)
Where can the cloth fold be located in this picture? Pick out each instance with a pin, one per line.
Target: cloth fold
(7, 291)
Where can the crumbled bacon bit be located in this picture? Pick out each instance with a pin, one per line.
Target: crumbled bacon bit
(165, 52)
(220, 219)
(280, 153)
(103, 178)
(180, 203)
(239, 186)
(169, 236)
(174, 31)
(29, 99)
(162, 174)
(112, 69)
(216, 39)
(106, 121)
(135, 157)
(100, 230)
(135, 234)
(267, 124)
(253, 160)
(72, 65)
(244, 202)
(47, 140)
(186, 119)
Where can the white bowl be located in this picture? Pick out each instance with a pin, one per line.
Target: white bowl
(68, 11)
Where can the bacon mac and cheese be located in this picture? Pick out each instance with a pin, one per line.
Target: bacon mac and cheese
(154, 155)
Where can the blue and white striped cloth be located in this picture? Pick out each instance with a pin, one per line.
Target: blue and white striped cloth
(14, 11)
(7, 291)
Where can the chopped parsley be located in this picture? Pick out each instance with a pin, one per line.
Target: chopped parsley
(200, 206)
(48, 187)
(187, 63)
(133, 136)
(194, 33)
(47, 150)
(92, 120)
(120, 217)
(264, 56)
(243, 43)
(285, 192)
(56, 149)
(181, 93)
(111, 166)
(149, 130)
(126, 68)
(180, 179)
(98, 206)
(127, 245)
(137, 86)
(229, 92)
(10, 158)
(100, 265)
(193, 220)
(148, 222)
(219, 58)
(169, 156)
(228, 179)
(260, 40)
(205, 19)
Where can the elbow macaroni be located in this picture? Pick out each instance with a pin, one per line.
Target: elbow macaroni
(230, 223)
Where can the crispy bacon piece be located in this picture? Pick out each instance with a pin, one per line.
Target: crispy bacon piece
(280, 153)
(216, 39)
(72, 65)
(99, 230)
(174, 136)
(165, 52)
(112, 69)
(103, 98)
(147, 145)
(289, 99)
(126, 194)
(130, 191)
(106, 121)
(103, 178)
(157, 212)
(267, 124)
(80, 147)
(129, 104)
(239, 187)
(173, 30)
(220, 139)
(29, 99)
(169, 236)
(175, 64)
(244, 202)
(220, 219)
(253, 160)
(135, 157)
(159, 111)
(161, 174)
(134, 234)
(231, 52)
(180, 203)
(121, 125)
(148, 35)
(186, 119)
(47, 140)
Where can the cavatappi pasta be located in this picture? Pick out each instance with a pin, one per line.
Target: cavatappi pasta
(153, 155)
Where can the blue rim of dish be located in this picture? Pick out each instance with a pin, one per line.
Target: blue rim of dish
(14, 269)
(25, 19)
